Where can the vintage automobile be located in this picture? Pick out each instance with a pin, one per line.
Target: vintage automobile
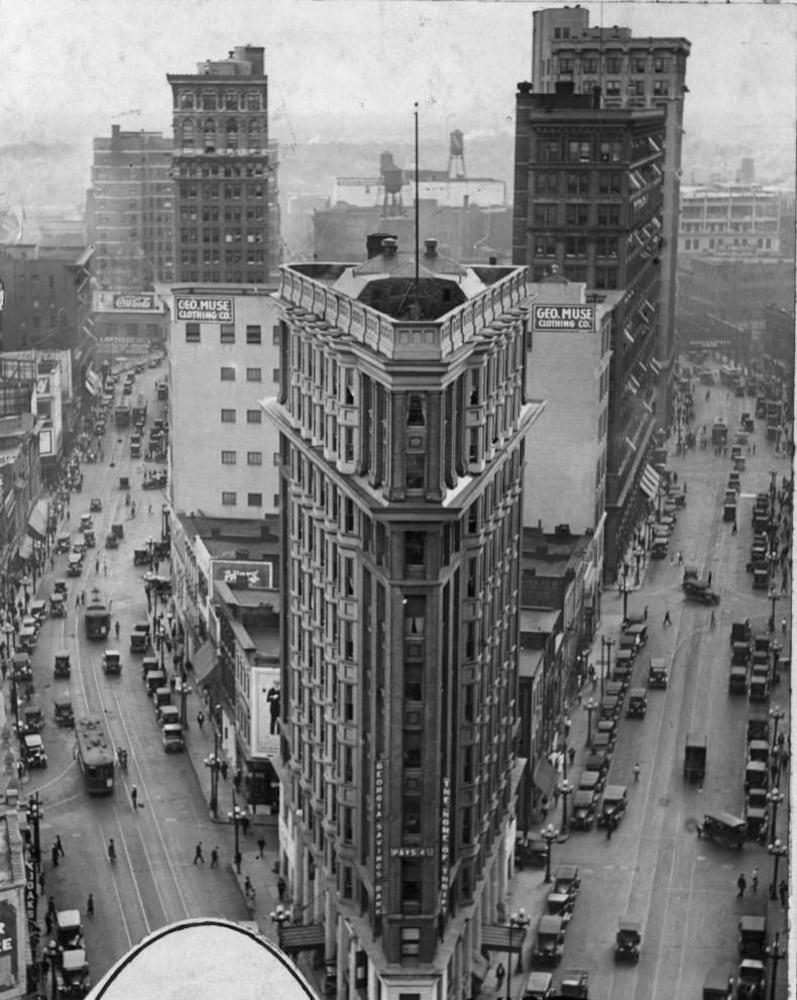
(38, 610)
(90, 538)
(33, 754)
(111, 541)
(64, 712)
(560, 904)
(21, 668)
(756, 775)
(539, 986)
(75, 565)
(718, 984)
(32, 720)
(141, 557)
(139, 637)
(751, 979)
(724, 829)
(637, 703)
(155, 679)
(758, 750)
(737, 680)
(657, 673)
(639, 632)
(69, 929)
(95, 504)
(112, 661)
(60, 586)
(86, 521)
(167, 715)
(567, 879)
(598, 762)
(547, 949)
(531, 850)
(700, 590)
(172, 737)
(118, 529)
(26, 639)
(609, 708)
(628, 941)
(752, 936)
(757, 727)
(583, 812)
(57, 606)
(72, 975)
(574, 983)
(63, 543)
(613, 805)
(590, 781)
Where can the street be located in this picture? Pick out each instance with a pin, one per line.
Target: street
(153, 881)
(655, 869)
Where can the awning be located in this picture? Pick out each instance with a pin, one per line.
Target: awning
(25, 550)
(37, 523)
(204, 661)
(628, 336)
(655, 366)
(545, 777)
(303, 937)
(502, 937)
(649, 483)
(633, 383)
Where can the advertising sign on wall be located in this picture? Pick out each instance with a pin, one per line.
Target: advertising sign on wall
(135, 302)
(266, 708)
(203, 310)
(249, 574)
(566, 318)
(9, 944)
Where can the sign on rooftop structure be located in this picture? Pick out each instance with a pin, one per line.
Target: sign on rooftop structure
(567, 318)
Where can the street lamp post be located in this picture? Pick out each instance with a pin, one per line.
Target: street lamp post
(213, 763)
(773, 596)
(565, 790)
(776, 850)
(590, 704)
(235, 817)
(774, 798)
(776, 953)
(11, 646)
(549, 834)
(517, 922)
(52, 952)
(776, 713)
(609, 645)
(625, 592)
(26, 583)
(279, 917)
(161, 644)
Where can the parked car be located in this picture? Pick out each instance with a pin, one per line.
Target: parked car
(33, 754)
(724, 829)
(547, 949)
(613, 805)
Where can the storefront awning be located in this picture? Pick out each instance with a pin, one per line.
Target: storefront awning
(545, 777)
(37, 523)
(304, 937)
(649, 483)
(25, 550)
(204, 661)
(503, 937)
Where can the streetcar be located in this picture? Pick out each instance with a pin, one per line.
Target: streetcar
(97, 617)
(95, 755)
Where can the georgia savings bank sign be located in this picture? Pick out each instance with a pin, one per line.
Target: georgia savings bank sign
(575, 319)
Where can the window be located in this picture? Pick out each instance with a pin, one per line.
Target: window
(565, 65)
(227, 332)
(579, 150)
(275, 375)
(228, 416)
(661, 65)
(546, 183)
(227, 373)
(636, 88)
(411, 815)
(192, 333)
(614, 65)
(254, 374)
(548, 151)
(544, 245)
(661, 88)
(414, 548)
(608, 215)
(410, 883)
(590, 65)
(575, 246)
(254, 458)
(545, 215)
(577, 215)
(254, 416)
(415, 472)
(411, 941)
(415, 417)
(637, 65)
(612, 88)
(611, 151)
(609, 183)
(229, 499)
(254, 500)
(229, 457)
(253, 334)
(578, 184)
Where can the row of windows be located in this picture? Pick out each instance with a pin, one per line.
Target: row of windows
(213, 100)
(577, 214)
(232, 213)
(229, 498)
(231, 416)
(580, 185)
(210, 168)
(612, 63)
(215, 236)
(584, 150)
(213, 256)
(188, 189)
(255, 275)
(547, 245)
(254, 335)
(252, 458)
(761, 242)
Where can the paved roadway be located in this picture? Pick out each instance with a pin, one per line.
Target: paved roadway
(654, 868)
(153, 881)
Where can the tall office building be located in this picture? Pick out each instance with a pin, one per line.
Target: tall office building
(402, 416)
(225, 172)
(625, 72)
(588, 204)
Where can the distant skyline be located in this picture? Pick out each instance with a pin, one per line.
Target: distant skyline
(72, 67)
(351, 70)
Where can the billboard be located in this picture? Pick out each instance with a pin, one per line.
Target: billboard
(571, 319)
(266, 707)
(126, 302)
(10, 943)
(189, 309)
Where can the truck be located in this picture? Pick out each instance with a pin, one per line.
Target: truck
(695, 757)
(139, 414)
(122, 416)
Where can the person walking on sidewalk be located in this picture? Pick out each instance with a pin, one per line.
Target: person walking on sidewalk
(261, 845)
(754, 880)
(500, 974)
(134, 796)
(59, 846)
(200, 719)
(741, 883)
(667, 620)
(281, 887)
(198, 855)
(214, 858)
(90, 905)
(636, 771)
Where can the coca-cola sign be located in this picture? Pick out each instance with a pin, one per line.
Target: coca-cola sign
(135, 301)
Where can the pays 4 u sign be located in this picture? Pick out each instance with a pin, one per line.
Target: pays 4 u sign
(9, 946)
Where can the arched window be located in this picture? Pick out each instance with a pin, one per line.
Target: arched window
(415, 415)
(254, 134)
(188, 132)
(232, 133)
(187, 100)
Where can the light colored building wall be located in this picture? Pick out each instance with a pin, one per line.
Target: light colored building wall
(200, 474)
(363, 192)
(565, 475)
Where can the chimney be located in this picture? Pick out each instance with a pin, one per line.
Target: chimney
(373, 243)
(430, 247)
(389, 246)
(493, 260)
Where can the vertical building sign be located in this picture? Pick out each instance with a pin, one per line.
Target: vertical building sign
(30, 892)
(445, 831)
(379, 836)
(9, 945)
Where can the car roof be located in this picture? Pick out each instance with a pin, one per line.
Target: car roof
(172, 727)
(615, 791)
(33, 740)
(627, 924)
(550, 924)
(727, 818)
(752, 923)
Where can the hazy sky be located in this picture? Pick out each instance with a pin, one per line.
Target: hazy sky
(70, 68)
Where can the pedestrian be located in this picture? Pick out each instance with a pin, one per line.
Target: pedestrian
(754, 880)
(51, 906)
(59, 846)
(214, 858)
(200, 719)
(741, 882)
(500, 974)
(636, 771)
(77, 600)
(680, 558)
(735, 528)
(104, 568)
(224, 768)
(713, 620)
(783, 625)
(610, 822)
(645, 613)
(261, 845)
(48, 921)
(134, 796)
(709, 578)
(149, 509)
(90, 905)
(281, 887)
(783, 892)
(249, 889)
(97, 565)
(667, 619)
(571, 754)
(83, 597)
(54, 855)
(245, 824)
(198, 855)
(237, 778)
(568, 724)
